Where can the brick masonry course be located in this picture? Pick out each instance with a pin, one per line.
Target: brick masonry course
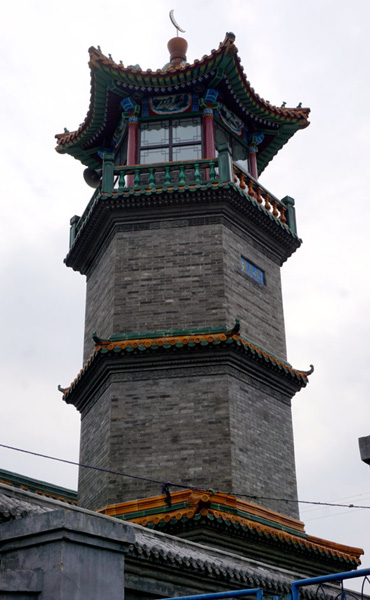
(198, 427)
(183, 277)
(210, 426)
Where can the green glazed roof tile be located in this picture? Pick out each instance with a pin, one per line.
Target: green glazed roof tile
(182, 341)
(110, 82)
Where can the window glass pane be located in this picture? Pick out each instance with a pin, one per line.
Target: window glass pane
(240, 155)
(155, 155)
(186, 130)
(221, 135)
(243, 164)
(239, 151)
(154, 133)
(121, 156)
(187, 152)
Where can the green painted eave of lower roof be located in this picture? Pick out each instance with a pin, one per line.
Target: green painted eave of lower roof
(193, 331)
(299, 545)
(38, 486)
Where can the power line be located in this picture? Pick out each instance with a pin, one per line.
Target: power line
(351, 497)
(76, 464)
(168, 484)
(300, 501)
(336, 514)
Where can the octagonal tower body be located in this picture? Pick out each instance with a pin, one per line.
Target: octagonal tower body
(186, 378)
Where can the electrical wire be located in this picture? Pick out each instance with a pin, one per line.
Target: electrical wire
(180, 485)
(336, 514)
(76, 464)
(352, 497)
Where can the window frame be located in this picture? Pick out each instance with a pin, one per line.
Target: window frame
(171, 145)
(232, 139)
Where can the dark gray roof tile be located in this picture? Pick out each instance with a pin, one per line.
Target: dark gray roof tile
(12, 508)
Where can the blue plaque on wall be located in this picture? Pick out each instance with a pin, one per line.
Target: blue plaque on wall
(252, 271)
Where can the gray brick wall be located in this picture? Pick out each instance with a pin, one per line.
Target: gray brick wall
(182, 276)
(165, 278)
(209, 426)
(262, 444)
(170, 426)
(259, 307)
(159, 279)
(100, 298)
(205, 428)
(94, 450)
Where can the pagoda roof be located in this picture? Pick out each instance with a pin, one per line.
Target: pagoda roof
(220, 70)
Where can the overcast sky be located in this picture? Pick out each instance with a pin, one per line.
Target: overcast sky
(315, 52)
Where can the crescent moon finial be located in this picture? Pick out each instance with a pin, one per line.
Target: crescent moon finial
(173, 21)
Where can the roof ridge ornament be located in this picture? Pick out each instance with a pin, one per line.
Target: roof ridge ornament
(177, 47)
(174, 23)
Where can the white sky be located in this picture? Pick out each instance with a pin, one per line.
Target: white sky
(314, 52)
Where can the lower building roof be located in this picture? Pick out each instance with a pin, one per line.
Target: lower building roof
(186, 511)
(38, 487)
(156, 558)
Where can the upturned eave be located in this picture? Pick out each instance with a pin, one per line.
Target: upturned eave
(221, 69)
(239, 523)
(140, 348)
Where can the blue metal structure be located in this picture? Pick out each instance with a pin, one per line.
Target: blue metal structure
(234, 594)
(338, 577)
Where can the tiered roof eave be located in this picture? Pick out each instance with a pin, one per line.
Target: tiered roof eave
(221, 69)
(184, 342)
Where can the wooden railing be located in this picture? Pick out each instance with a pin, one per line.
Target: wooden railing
(255, 190)
(164, 176)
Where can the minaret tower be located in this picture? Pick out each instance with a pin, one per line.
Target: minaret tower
(185, 375)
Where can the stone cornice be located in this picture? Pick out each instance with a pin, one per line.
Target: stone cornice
(226, 201)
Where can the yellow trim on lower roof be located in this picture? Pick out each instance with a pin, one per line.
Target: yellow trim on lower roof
(199, 502)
